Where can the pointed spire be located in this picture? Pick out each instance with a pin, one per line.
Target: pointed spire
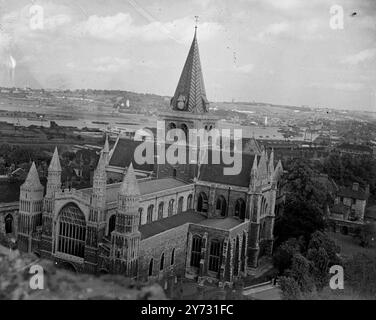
(32, 179)
(254, 166)
(55, 162)
(271, 161)
(190, 93)
(129, 186)
(106, 148)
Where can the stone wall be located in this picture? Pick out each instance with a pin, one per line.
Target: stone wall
(155, 246)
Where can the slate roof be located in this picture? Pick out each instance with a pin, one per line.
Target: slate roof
(214, 172)
(145, 187)
(191, 83)
(123, 155)
(151, 229)
(221, 223)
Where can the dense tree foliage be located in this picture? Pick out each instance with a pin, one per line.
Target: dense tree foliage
(346, 169)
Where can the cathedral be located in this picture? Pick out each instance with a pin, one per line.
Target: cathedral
(187, 220)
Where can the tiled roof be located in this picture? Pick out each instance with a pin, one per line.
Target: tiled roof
(151, 229)
(348, 192)
(191, 83)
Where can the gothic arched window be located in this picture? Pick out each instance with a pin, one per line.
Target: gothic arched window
(221, 206)
(149, 217)
(9, 224)
(71, 231)
(180, 204)
(202, 202)
(240, 209)
(172, 257)
(160, 210)
(189, 202)
(111, 224)
(161, 264)
(171, 207)
(151, 264)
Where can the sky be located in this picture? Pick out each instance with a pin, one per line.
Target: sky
(293, 52)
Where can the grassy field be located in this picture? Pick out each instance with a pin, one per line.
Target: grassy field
(350, 246)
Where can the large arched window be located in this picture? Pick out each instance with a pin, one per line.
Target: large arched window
(180, 204)
(111, 224)
(196, 251)
(214, 255)
(161, 263)
(202, 202)
(160, 210)
(171, 207)
(9, 224)
(221, 206)
(189, 202)
(71, 231)
(151, 265)
(149, 217)
(240, 209)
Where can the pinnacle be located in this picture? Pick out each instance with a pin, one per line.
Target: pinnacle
(55, 162)
(129, 186)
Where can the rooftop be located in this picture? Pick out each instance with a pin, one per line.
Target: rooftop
(221, 223)
(151, 229)
(349, 192)
(145, 186)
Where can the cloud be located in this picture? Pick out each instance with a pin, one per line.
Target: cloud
(121, 27)
(110, 64)
(359, 57)
(342, 86)
(246, 69)
(274, 29)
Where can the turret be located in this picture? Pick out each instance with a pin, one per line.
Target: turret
(125, 239)
(54, 175)
(100, 178)
(30, 209)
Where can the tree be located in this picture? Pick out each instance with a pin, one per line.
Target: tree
(300, 271)
(367, 234)
(290, 289)
(320, 263)
(320, 240)
(282, 257)
(299, 219)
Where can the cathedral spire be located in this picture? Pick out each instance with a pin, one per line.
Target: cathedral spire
(129, 186)
(55, 162)
(32, 179)
(190, 93)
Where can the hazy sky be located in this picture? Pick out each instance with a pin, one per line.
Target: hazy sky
(278, 51)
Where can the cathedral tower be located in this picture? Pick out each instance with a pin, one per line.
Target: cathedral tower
(30, 211)
(125, 239)
(53, 186)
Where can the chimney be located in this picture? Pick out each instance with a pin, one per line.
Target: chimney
(355, 186)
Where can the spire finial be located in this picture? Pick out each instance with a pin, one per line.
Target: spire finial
(196, 22)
